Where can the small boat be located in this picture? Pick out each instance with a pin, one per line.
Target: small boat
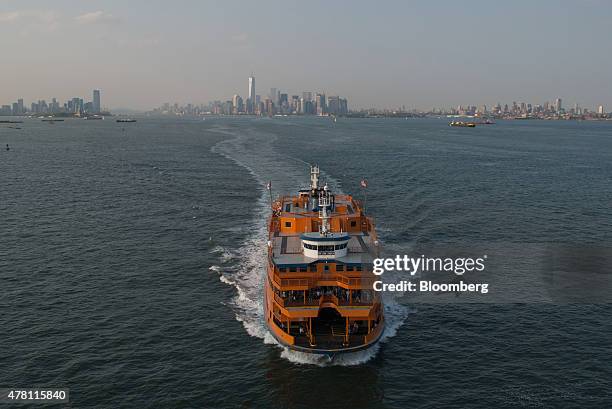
(52, 120)
(463, 124)
(124, 120)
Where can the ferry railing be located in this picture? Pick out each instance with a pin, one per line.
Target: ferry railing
(291, 282)
(278, 316)
(357, 282)
(279, 300)
(299, 301)
(353, 281)
(345, 302)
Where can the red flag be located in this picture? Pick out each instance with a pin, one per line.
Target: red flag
(364, 183)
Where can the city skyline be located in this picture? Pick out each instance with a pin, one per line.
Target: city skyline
(73, 106)
(412, 54)
(277, 102)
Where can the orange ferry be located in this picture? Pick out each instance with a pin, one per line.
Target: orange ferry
(318, 289)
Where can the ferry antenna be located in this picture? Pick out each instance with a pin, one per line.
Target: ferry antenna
(324, 203)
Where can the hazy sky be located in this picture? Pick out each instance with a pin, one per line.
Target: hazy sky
(376, 53)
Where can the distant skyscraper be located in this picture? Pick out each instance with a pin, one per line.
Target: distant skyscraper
(333, 104)
(96, 101)
(251, 102)
(600, 110)
(344, 106)
(75, 105)
(269, 107)
(274, 96)
(558, 105)
(320, 104)
(295, 101)
(237, 104)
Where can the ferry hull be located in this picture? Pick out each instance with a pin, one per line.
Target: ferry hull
(329, 352)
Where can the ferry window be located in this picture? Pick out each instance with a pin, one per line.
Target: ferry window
(292, 269)
(283, 270)
(326, 267)
(302, 269)
(353, 223)
(287, 224)
(339, 267)
(312, 267)
(349, 268)
(358, 268)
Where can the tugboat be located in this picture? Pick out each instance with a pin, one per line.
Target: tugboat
(318, 288)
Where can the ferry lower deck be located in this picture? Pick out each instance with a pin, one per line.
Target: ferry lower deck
(329, 332)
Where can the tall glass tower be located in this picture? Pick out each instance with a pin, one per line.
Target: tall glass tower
(251, 94)
(96, 101)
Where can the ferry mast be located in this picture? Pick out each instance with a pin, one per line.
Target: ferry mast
(324, 203)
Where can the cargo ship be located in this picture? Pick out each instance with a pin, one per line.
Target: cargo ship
(318, 288)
